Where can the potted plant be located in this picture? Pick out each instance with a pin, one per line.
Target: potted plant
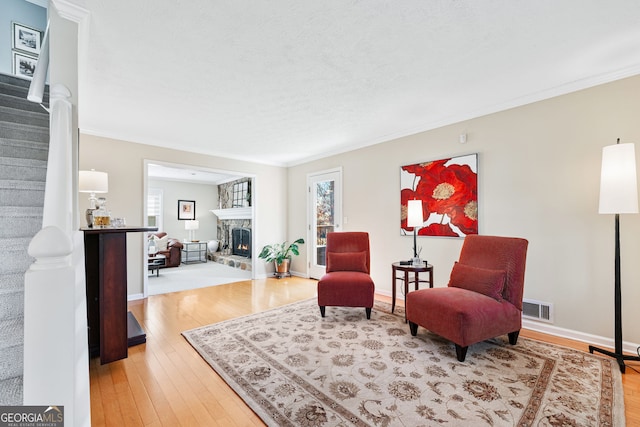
(280, 254)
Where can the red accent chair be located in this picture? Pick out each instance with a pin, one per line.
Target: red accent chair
(347, 282)
(483, 298)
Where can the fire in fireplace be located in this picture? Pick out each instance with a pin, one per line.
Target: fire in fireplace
(241, 242)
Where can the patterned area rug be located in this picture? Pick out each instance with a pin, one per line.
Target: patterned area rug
(294, 368)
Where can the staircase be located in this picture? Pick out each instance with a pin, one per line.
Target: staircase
(24, 142)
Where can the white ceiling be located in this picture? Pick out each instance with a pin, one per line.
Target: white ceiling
(283, 82)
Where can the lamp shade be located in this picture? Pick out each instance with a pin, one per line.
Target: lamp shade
(414, 213)
(192, 225)
(618, 180)
(93, 182)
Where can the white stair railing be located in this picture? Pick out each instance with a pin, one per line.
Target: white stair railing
(56, 355)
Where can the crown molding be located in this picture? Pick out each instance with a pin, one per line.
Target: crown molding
(71, 11)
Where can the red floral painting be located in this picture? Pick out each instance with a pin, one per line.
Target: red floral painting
(448, 189)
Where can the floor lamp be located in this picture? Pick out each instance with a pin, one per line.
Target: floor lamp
(618, 195)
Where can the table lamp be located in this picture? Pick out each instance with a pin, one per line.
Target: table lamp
(192, 226)
(92, 182)
(415, 220)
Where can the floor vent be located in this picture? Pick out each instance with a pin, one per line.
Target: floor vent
(538, 310)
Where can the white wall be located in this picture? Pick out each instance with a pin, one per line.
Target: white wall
(124, 162)
(206, 198)
(539, 169)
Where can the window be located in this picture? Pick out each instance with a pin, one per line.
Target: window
(154, 208)
(241, 194)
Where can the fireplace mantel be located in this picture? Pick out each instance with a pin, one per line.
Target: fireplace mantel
(233, 213)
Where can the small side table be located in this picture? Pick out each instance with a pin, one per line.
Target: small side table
(194, 252)
(416, 270)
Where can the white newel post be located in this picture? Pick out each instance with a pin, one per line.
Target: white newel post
(49, 323)
(56, 355)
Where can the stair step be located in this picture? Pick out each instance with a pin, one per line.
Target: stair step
(11, 282)
(21, 103)
(24, 132)
(20, 221)
(19, 91)
(11, 391)
(11, 296)
(23, 149)
(12, 115)
(11, 304)
(11, 80)
(22, 193)
(26, 169)
(11, 332)
(16, 259)
(11, 348)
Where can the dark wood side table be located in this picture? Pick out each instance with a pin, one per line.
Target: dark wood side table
(111, 328)
(416, 270)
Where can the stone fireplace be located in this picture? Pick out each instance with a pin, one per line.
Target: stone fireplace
(234, 224)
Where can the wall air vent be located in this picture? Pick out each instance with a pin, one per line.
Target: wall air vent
(537, 310)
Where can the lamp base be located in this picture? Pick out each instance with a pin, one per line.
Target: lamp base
(618, 356)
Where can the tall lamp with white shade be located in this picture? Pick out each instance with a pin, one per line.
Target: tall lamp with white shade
(92, 182)
(415, 219)
(618, 195)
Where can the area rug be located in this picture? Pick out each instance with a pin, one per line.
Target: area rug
(295, 368)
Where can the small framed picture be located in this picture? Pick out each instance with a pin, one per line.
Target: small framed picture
(24, 65)
(26, 39)
(186, 209)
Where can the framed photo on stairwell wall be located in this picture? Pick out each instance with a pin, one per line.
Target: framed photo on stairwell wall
(186, 209)
(26, 39)
(24, 65)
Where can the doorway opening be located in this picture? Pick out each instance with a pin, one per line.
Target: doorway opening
(203, 231)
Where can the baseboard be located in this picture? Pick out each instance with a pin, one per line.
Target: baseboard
(545, 328)
(135, 297)
(627, 347)
(298, 274)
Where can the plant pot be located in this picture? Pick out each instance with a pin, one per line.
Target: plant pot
(282, 270)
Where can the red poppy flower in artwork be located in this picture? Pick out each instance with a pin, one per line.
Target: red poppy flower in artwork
(437, 230)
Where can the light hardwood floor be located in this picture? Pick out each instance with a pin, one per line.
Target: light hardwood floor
(166, 383)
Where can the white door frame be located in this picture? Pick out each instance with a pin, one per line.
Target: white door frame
(316, 271)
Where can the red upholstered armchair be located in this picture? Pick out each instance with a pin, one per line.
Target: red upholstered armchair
(484, 296)
(347, 282)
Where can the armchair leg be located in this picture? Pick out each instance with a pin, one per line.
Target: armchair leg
(461, 352)
(413, 327)
(368, 310)
(513, 337)
(322, 310)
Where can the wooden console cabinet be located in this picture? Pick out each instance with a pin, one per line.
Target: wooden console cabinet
(111, 328)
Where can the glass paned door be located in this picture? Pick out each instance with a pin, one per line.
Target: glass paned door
(325, 212)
